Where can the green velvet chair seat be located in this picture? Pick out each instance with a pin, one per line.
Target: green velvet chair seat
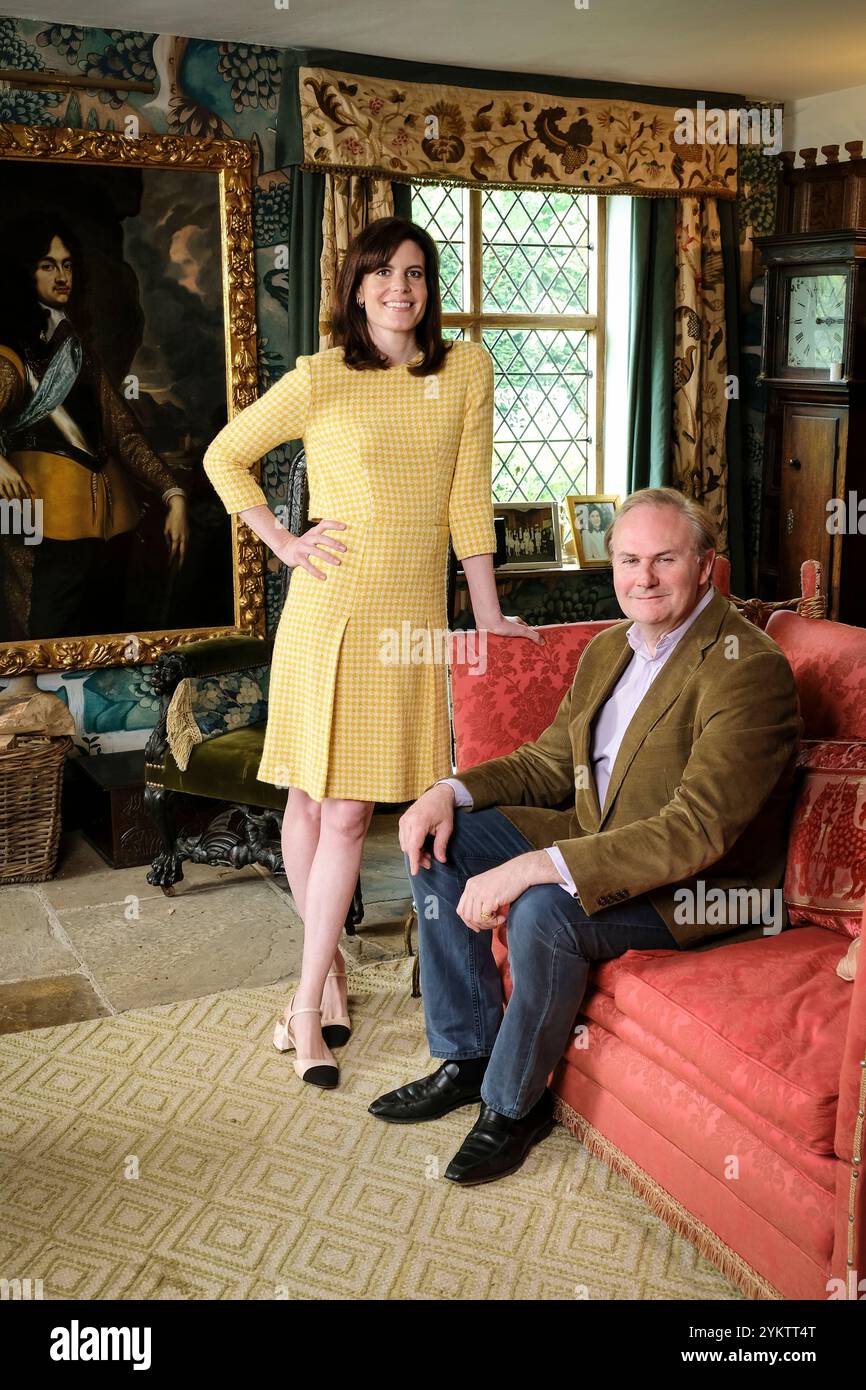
(225, 768)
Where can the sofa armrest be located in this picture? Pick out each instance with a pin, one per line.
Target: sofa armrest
(851, 1128)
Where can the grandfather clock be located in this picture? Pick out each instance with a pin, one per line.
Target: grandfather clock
(813, 364)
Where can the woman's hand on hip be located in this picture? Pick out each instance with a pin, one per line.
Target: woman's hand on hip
(313, 545)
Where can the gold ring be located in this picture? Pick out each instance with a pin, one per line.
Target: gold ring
(486, 916)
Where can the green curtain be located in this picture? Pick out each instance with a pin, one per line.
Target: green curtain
(738, 509)
(651, 343)
(307, 208)
(402, 200)
(305, 252)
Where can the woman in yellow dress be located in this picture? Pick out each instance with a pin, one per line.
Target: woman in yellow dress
(397, 427)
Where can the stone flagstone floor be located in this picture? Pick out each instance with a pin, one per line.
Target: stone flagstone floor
(95, 941)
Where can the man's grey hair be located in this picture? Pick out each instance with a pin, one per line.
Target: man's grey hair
(706, 536)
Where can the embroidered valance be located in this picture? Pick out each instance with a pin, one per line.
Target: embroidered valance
(417, 132)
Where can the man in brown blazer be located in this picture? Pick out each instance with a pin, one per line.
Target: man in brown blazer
(661, 786)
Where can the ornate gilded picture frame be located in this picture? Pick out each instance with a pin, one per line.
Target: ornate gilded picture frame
(127, 339)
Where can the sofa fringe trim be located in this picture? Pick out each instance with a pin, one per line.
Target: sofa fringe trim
(664, 1205)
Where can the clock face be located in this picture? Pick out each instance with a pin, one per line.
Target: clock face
(816, 320)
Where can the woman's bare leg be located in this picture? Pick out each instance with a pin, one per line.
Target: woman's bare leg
(299, 839)
(329, 891)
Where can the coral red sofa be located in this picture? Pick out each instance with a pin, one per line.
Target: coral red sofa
(727, 1083)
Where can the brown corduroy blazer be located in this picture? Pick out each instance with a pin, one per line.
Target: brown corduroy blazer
(701, 786)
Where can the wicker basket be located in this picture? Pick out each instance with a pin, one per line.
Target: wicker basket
(31, 777)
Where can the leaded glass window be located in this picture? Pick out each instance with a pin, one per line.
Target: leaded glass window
(522, 271)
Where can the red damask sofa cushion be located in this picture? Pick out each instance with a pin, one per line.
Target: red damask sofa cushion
(709, 1010)
(710, 1007)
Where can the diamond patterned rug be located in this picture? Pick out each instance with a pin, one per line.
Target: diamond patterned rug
(173, 1153)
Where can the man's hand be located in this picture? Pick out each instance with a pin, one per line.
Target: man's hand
(487, 897)
(431, 814)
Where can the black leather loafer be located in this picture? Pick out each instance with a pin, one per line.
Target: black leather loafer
(427, 1098)
(497, 1145)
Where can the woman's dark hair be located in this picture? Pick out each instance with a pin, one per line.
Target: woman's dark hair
(369, 250)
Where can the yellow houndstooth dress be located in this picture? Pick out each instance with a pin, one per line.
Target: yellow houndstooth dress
(402, 460)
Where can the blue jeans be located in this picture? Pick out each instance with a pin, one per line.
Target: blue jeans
(551, 945)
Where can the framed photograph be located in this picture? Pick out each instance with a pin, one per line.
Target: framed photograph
(531, 534)
(588, 519)
(127, 339)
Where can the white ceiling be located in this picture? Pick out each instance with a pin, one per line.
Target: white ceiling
(781, 49)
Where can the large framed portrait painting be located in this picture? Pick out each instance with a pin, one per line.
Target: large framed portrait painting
(127, 336)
